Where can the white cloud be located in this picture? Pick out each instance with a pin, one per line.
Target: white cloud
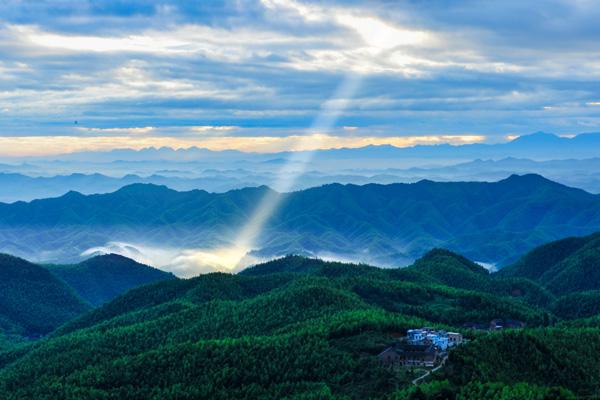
(184, 263)
(276, 64)
(381, 35)
(134, 130)
(212, 128)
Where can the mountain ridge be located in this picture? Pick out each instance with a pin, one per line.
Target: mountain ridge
(392, 224)
(25, 184)
(518, 144)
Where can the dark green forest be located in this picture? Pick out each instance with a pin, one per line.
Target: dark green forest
(301, 328)
(102, 278)
(37, 299)
(32, 300)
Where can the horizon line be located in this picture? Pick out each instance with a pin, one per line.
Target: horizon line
(380, 142)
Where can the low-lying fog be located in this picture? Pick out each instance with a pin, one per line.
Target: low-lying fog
(188, 262)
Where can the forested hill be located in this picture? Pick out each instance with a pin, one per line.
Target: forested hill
(37, 299)
(565, 266)
(32, 300)
(382, 224)
(102, 278)
(302, 328)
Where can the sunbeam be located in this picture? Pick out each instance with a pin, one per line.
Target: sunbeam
(379, 38)
(287, 176)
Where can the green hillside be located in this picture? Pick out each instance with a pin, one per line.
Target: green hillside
(290, 328)
(32, 300)
(566, 266)
(447, 268)
(35, 300)
(578, 305)
(102, 278)
(303, 328)
(546, 357)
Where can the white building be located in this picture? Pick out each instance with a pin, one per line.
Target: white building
(440, 339)
(415, 336)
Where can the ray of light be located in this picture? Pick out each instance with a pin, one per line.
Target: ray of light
(290, 172)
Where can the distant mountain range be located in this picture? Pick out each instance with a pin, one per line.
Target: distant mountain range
(571, 161)
(584, 174)
(381, 224)
(538, 146)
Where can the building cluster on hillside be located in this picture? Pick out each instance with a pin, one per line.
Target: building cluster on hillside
(422, 347)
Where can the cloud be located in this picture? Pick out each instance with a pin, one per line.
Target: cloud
(429, 68)
(135, 131)
(213, 129)
(184, 263)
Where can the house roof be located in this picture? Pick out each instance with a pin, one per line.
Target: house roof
(416, 348)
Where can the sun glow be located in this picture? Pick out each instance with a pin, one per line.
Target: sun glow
(221, 259)
(378, 37)
(22, 146)
(249, 234)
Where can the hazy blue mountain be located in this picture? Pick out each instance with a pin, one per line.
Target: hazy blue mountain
(382, 224)
(571, 161)
(584, 174)
(102, 278)
(18, 187)
(539, 146)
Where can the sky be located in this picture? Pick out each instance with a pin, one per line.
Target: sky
(253, 75)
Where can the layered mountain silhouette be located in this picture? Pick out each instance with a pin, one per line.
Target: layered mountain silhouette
(383, 224)
(545, 146)
(571, 161)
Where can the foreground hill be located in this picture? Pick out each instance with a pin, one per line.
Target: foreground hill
(383, 224)
(293, 328)
(437, 267)
(102, 278)
(565, 266)
(32, 300)
(36, 299)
